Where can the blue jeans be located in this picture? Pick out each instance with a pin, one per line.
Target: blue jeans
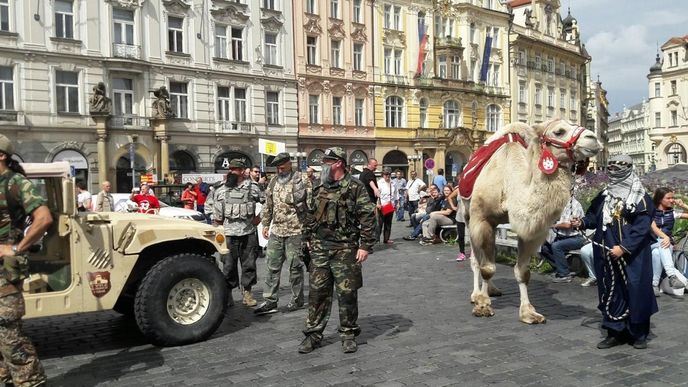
(555, 253)
(587, 258)
(663, 260)
(418, 228)
(400, 209)
(412, 208)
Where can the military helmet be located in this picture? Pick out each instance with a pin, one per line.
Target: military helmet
(6, 145)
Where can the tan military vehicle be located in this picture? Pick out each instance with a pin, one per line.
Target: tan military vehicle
(160, 270)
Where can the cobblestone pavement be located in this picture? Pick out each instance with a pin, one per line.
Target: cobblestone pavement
(417, 330)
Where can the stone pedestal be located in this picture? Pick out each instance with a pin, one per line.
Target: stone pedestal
(101, 132)
(160, 130)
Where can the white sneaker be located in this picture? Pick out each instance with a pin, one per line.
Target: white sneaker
(589, 282)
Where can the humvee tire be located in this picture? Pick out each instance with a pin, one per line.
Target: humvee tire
(181, 300)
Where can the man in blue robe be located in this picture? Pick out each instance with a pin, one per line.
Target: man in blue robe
(621, 216)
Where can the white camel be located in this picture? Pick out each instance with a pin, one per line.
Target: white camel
(514, 188)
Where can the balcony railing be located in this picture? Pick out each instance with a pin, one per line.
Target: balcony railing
(128, 122)
(447, 41)
(123, 50)
(229, 127)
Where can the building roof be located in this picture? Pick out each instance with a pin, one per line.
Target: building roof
(518, 3)
(676, 40)
(568, 20)
(657, 66)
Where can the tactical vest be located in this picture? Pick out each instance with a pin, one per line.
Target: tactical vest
(237, 204)
(10, 207)
(336, 208)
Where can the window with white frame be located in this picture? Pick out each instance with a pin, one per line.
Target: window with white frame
(388, 60)
(269, 4)
(550, 65)
(240, 114)
(452, 114)
(397, 61)
(573, 72)
(444, 26)
(237, 44)
(442, 66)
(224, 104)
(394, 112)
(494, 33)
(674, 117)
(573, 105)
(387, 16)
(64, 19)
(358, 56)
(123, 96)
(67, 91)
(334, 9)
(562, 98)
(423, 113)
(358, 11)
(336, 110)
(123, 21)
(672, 84)
(311, 50)
(456, 67)
(4, 15)
(6, 88)
(311, 6)
(658, 119)
(493, 118)
(538, 94)
(272, 107)
(493, 75)
(271, 49)
(359, 111)
(221, 42)
(521, 59)
(658, 89)
(179, 99)
(175, 34)
(538, 62)
(522, 92)
(335, 53)
(472, 33)
(550, 97)
(396, 21)
(314, 109)
(474, 68)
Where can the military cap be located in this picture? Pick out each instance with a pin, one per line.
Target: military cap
(280, 159)
(236, 163)
(6, 145)
(335, 153)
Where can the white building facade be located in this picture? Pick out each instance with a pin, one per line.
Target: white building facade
(629, 134)
(227, 66)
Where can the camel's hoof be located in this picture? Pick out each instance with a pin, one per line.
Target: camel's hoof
(494, 292)
(474, 296)
(532, 318)
(483, 311)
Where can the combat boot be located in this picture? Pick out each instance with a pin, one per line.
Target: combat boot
(248, 299)
(349, 345)
(309, 344)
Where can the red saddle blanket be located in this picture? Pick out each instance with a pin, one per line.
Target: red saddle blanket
(478, 161)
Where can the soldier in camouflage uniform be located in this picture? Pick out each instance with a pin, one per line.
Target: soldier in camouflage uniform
(286, 203)
(234, 207)
(341, 232)
(210, 200)
(19, 363)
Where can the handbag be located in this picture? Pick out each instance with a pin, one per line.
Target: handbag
(387, 208)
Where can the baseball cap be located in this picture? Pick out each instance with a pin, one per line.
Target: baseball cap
(335, 153)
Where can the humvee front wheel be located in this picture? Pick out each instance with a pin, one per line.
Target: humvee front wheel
(181, 300)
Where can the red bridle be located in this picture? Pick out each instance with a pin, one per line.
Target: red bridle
(566, 145)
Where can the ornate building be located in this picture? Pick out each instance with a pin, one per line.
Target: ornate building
(629, 134)
(333, 43)
(175, 85)
(439, 90)
(548, 78)
(668, 110)
(596, 117)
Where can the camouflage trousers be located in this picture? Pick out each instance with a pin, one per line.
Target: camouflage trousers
(338, 269)
(279, 249)
(18, 359)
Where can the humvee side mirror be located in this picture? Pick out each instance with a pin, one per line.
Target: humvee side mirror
(68, 197)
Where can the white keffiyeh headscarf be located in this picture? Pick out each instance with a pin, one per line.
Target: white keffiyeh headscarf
(624, 190)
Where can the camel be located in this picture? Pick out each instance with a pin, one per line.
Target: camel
(525, 188)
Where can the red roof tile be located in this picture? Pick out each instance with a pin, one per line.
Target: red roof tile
(518, 3)
(676, 40)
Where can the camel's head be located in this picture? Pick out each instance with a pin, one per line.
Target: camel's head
(565, 143)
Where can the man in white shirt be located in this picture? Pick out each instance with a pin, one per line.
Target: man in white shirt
(413, 188)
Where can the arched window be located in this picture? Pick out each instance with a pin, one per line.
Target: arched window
(676, 154)
(423, 115)
(494, 118)
(182, 162)
(452, 114)
(394, 110)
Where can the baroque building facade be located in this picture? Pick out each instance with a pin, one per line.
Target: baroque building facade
(668, 103)
(439, 91)
(629, 134)
(333, 44)
(548, 79)
(176, 85)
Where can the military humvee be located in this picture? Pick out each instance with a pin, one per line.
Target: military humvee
(160, 270)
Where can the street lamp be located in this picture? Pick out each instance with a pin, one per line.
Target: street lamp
(413, 159)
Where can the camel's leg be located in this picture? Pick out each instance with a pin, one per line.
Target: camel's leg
(482, 240)
(475, 267)
(526, 312)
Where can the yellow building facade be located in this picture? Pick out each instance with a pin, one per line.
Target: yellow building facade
(430, 98)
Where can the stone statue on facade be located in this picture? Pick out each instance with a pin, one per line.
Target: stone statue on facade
(530, 20)
(99, 103)
(574, 31)
(161, 105)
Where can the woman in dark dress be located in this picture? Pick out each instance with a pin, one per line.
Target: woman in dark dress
(621, 216)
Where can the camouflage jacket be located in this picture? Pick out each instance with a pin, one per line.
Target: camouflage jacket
(17, 189)
(286, 204)
(222, 213)
(341, 216)
(210, 199)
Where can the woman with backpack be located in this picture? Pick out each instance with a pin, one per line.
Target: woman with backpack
(665, 217)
